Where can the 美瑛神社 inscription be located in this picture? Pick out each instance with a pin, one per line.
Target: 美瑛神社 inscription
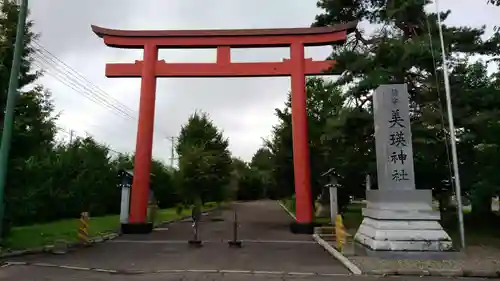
(397, 216)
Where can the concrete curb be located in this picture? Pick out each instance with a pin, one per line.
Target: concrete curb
(92, 240)
(48, 248)
(435, 273)
(286, 210)
(167, 222)
(345, 261)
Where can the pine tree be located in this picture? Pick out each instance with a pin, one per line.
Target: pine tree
(405, 48)
(204, 160)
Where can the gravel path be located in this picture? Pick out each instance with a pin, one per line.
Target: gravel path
(477, 261)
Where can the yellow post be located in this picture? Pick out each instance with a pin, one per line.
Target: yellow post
(83, 228)
(340, 233)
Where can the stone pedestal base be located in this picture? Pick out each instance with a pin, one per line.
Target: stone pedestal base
(195, 243)
(402, 221)
(136, 228)
(234, 244)
(302, 228)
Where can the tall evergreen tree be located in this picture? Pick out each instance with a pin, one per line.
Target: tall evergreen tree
(204, 160)
(323, 103)
(404, 48)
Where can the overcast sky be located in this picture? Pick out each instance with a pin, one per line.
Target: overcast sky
(242, 108)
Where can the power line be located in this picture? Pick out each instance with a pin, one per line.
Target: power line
(61, 78)
(69, 80)
(89, 85)
(62, 72)
(65, 74)
(72, 133)
(440, 106)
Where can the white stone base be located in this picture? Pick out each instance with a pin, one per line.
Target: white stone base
(403, 235)
(387, 226)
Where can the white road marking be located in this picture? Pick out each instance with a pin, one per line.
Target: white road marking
(278, 241)
(221, 271)
(161, 229)
(44, 264)
(202, 270)
(235, 271)
(212, 241)
(105, 270)
(17, 263)
(268, 272)
(171, 271)
(151, 241)
(301, 273)
(74, 267)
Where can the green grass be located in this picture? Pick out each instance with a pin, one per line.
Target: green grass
(478, 232)
(289, 203)
(38, 235)
(352, 217)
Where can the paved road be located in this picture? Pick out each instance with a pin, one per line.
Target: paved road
(45, 274)
(269, 251)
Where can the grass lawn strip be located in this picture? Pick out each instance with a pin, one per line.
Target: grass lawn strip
(39, 235)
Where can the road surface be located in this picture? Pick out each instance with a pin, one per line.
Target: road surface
(270, 252)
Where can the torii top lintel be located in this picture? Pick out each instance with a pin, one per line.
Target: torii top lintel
(235, 38)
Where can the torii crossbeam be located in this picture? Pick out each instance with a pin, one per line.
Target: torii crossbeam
(223, 40)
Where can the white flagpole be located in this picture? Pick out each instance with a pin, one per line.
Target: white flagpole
(458, 192)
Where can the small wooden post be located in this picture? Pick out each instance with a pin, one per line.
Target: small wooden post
(196, 216)
(235, 243)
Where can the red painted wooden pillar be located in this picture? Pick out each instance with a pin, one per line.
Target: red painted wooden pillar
(144, 144)
(301, 168)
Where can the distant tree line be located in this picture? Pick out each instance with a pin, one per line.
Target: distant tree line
(49, 180)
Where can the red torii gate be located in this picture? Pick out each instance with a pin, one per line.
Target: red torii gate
(223, 40)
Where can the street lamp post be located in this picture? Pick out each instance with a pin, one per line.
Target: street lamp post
(458, 191)
(10, 104)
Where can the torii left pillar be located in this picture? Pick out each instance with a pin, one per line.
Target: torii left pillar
(144, 145)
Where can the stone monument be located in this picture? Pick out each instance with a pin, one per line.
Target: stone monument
(398, 217)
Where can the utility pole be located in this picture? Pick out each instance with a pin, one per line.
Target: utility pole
(71, 135)
(458, 192)
(10, 105)
(172, 142)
